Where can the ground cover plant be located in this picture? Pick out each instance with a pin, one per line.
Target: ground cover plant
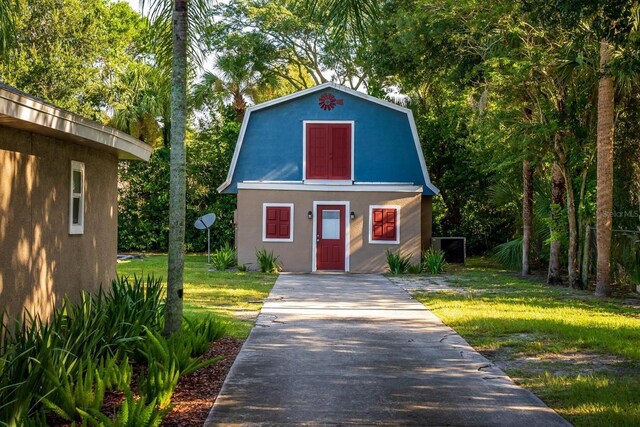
(224, 258)
(397, 263)
(267, 261)
(433, 261)
(234, 297)
(580, 354)
(59, 371)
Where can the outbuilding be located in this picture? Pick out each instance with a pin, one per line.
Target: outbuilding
(329, 178)
(58, 202)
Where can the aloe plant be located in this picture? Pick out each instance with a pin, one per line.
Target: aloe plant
(267, 261)
(433, 261)
(397, 263)
(224, 258)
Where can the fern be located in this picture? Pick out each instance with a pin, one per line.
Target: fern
(132, 413)
(72, 395)
(160, 381)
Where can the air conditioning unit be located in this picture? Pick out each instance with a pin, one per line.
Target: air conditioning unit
(454, 248)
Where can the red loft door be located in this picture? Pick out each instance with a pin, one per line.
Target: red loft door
(328, 151)
(330, 238)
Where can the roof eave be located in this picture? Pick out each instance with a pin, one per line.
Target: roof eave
(22, 111)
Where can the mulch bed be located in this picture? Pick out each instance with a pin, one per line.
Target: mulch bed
(193, 397)
(195, 394)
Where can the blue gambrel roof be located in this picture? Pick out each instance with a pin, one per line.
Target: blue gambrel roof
(386, 145)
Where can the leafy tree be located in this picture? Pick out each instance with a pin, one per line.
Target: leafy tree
(66, 50)
(7, 23)
(317, 39)
(614, 24)
(243, 72)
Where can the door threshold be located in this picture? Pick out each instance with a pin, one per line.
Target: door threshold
(329, 272)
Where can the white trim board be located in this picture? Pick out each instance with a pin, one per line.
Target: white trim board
(399, 188)
(264, 222)
(328, 85)
(347, 232)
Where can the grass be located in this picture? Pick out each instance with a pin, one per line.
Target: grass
(233, 296)
(580, 354)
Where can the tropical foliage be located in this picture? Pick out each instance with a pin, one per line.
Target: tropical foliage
(63, 367)
(505, 97)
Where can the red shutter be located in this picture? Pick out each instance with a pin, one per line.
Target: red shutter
(328, 151)
(278, 222)
(384, 224)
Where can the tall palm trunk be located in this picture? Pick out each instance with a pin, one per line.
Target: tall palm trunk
(177, 198)
(604, 187)
(572, 267)
(239, 105)
(527, 216)
(572, 255)
(557, 204)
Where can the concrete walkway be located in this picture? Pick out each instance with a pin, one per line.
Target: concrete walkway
(357, 350)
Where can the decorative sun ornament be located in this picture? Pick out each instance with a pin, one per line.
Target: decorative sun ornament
(328, 102)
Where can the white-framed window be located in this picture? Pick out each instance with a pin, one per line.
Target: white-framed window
(384, 224)
(76, 199)
(277, 222)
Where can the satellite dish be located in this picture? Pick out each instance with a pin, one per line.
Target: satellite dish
(205, 221)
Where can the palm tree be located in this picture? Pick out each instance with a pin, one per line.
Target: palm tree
(242, 74)
(184, 22)
(177, 185)
(604, 186)
(139, 99)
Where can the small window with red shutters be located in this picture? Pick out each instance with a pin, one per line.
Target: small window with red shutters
(384, 224)
(277, 222)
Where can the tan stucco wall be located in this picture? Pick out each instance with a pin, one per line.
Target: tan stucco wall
(296, 255)
(40, 261)
(427, 221)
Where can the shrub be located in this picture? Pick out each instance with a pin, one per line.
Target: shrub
(433, 261)
(242, 267)
(224, 258)
(397, 263)
(414, 269)
(50, 364)
(267, 261)
(176, 349)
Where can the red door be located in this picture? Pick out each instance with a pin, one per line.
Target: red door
(330, 238)
(328, 151)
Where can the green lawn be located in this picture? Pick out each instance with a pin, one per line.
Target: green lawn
(580, 354)
(233, 296)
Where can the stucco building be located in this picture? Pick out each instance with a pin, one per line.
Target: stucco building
(58, 202)
(328, 179)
